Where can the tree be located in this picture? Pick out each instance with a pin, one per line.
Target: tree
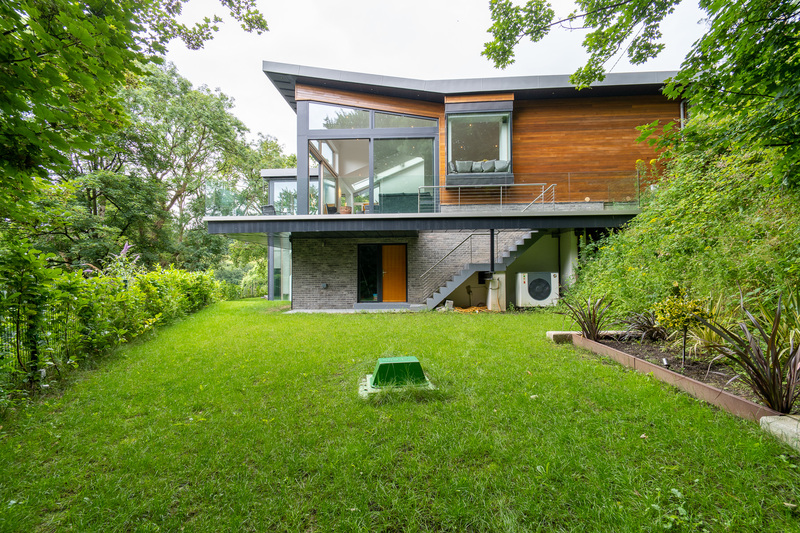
(181, 137)
(87, 218)
(62, 64)
(745, 69)
(150, 190)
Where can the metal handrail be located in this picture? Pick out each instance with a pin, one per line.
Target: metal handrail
(453, 250)
(551, 188)
(463, 193)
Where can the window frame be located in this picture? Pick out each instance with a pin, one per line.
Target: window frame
(479, 108)
(306, 135)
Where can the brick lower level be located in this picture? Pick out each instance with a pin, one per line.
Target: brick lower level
(324, 271)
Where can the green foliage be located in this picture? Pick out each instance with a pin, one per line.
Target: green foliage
(745, 69)
(591, 314)
(149, 190)
(711, 224)
(702, 338)
(789, 328)
(678, 312)
(25, 287)
(644, 326)
(84, 219)
(62, 64)
(770, 367)
(55, 319)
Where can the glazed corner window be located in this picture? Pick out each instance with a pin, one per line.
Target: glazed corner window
(479, 142)
(330, 117)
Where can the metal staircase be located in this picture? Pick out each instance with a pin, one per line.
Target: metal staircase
(501, 263)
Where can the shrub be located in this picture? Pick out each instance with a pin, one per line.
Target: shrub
(702, 339)
(770, 367)
(57, 318)
(591, 315)
(644, 326)
(678, 312)
(711, 223)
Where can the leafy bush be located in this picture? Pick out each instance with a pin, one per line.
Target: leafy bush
(591, 315)
(53, 319)
(702, 339)
(770, 367)
(644, 326)
(711, 223)
(678, 312)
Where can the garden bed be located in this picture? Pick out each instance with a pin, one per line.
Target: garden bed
(696, 379)
(716, 374)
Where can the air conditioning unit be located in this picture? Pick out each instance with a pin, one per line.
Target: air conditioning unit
(537, 289)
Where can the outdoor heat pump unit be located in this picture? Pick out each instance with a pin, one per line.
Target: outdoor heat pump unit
(537, 289)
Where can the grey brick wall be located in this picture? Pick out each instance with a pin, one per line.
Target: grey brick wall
(335, 262)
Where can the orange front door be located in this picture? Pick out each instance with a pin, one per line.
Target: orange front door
(394, 272)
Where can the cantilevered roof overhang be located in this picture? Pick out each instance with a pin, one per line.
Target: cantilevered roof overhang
(257, 228)
(286, 76)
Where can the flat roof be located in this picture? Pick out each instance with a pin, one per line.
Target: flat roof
(285, 77)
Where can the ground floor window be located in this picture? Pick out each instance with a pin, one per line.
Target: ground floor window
(382, 273)
(281, 268)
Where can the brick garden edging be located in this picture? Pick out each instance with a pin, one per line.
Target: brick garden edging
(724, 400)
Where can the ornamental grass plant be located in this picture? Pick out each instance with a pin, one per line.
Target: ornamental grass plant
(768, 360)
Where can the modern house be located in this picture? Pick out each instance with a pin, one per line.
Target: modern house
(409, 192)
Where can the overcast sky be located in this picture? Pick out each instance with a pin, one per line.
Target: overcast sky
(422, 39)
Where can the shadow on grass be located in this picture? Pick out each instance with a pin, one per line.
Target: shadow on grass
(400, 395)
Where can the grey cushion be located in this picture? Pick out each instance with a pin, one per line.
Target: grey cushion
(501, 166)
(451, 167)
(477, 166)
(487, 166)
(463, 166)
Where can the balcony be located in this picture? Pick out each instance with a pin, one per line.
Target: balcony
(533, 194)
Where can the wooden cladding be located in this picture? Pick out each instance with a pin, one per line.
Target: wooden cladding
(472, 98)
(370, 101)
(586, 146)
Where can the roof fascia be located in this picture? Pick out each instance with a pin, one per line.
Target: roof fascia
(286, 76)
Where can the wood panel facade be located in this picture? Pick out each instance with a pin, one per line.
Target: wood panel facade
(471, 98)
(586, 146)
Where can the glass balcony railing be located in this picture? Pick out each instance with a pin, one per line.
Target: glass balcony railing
(568, 191)
(239, 199)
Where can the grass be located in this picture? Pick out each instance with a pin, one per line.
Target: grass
(241, 418)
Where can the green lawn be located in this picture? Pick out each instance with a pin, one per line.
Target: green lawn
(242, 418)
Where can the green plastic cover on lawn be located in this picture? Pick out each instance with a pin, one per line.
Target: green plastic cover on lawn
(397, 371)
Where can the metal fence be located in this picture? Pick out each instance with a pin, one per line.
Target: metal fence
(35, 343)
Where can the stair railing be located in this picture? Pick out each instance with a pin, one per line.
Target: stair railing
(456, 248)
(467, 242)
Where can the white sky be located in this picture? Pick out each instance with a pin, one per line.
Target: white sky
(422, 39)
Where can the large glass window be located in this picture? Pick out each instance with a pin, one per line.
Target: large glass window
(378, 168)
(402, 166)
(329, 117)
(386, 120)
(479, 142)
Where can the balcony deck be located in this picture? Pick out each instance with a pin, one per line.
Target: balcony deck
(256, 228)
